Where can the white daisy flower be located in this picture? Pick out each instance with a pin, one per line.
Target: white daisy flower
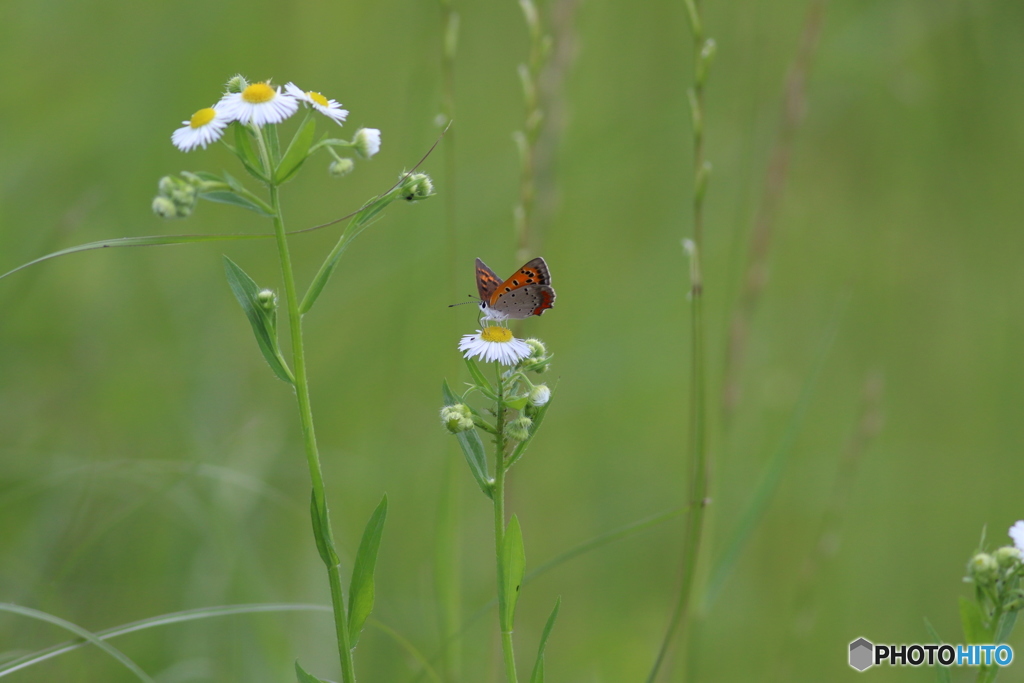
(494, 343)
(258, 104)
(205, 126)
(329, 108)
(366, 142)
(1017, 534)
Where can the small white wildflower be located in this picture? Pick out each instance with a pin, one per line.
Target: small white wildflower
(366, 142)
(205, 126)
(1017, 534)
(494, 343)
(329, 108)
(540, 395)
(258, 104)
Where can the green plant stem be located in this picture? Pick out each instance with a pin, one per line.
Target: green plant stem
(306, 419)
(499, 533)
(698, 485)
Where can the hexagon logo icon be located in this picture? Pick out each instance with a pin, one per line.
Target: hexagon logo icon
(860, 654)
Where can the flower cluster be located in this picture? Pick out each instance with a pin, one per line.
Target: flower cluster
(261, 104)
(998, 596)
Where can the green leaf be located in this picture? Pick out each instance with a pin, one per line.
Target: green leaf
(513, 567)
(481, 382)
(246, 154)
(361, 589)
(322, 534)
(538, 419)
(973, 622)
(538, 667)
(224, 197)
(245, 290)
(359, 222)
(517, 403)
(305, 677)
(941, 672)
(297, 152)
(150, 241)
(472, 448)
(1006, 627)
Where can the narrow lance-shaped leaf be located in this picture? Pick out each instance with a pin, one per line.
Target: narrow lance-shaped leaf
(361, 589)
(358, 223)
(226, 197)
(514, 566)
(942, 673)
(297, 151)
(472, 447)
(245, 152)
(538, 668)
(303, 676)
(246, 290)
(973, 623)
(481, 381)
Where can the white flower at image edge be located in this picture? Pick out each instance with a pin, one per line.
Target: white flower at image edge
(1017, 534)
(329, 108)
(259, 104)
(205, 126)
(366, 142)
(494, 344)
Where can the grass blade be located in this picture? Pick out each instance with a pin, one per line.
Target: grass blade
(538, 668)
(81, 633)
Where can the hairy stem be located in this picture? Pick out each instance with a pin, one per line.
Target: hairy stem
(499, 532)
(306, 419)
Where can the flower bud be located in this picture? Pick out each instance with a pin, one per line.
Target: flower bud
(540, 395)
(457, 418)
(236, 83)
(164, 207)
(1007, 557)
(537, 348)
(267, 299)
(519, 428)
(417, 186)
(982, 569)
(366, 142)
(341, 167)
(167, 185)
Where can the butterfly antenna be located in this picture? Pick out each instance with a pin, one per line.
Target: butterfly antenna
(474, 300)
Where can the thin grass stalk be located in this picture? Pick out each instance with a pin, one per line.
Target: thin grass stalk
(755, 275)
(526, 139)
(698, 454)
(448, 551)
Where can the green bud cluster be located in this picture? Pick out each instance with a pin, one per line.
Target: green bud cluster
(176, 196)
(416, 186)
(457, 418)
(519, 428)
(341, 167)
(539, 360)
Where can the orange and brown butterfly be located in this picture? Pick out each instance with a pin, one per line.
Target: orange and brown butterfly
(528, 292)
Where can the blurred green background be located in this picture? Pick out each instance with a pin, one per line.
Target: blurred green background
(150, 462)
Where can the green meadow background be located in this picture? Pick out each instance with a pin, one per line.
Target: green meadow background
(150, 462)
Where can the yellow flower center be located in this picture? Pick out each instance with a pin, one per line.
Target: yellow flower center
(258, 93)
(318, 98)
(494, 333)
(202, 117)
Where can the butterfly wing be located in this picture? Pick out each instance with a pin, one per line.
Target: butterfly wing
(528, 292)
(525, 301)
(487, 281)
(534, 272)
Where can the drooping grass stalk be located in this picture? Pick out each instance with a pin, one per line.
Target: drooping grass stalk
(448, 551)
(698, 454)
(323, 525)
(755, 275)
(526, 139)
(499, 530)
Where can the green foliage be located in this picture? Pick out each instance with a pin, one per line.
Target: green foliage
(513, 568)
(361, 589)
(263, 322)
(303, 676)
(472, 448)
(538, 667)
(297, 151)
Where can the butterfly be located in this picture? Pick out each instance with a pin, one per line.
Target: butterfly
(528, 292)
